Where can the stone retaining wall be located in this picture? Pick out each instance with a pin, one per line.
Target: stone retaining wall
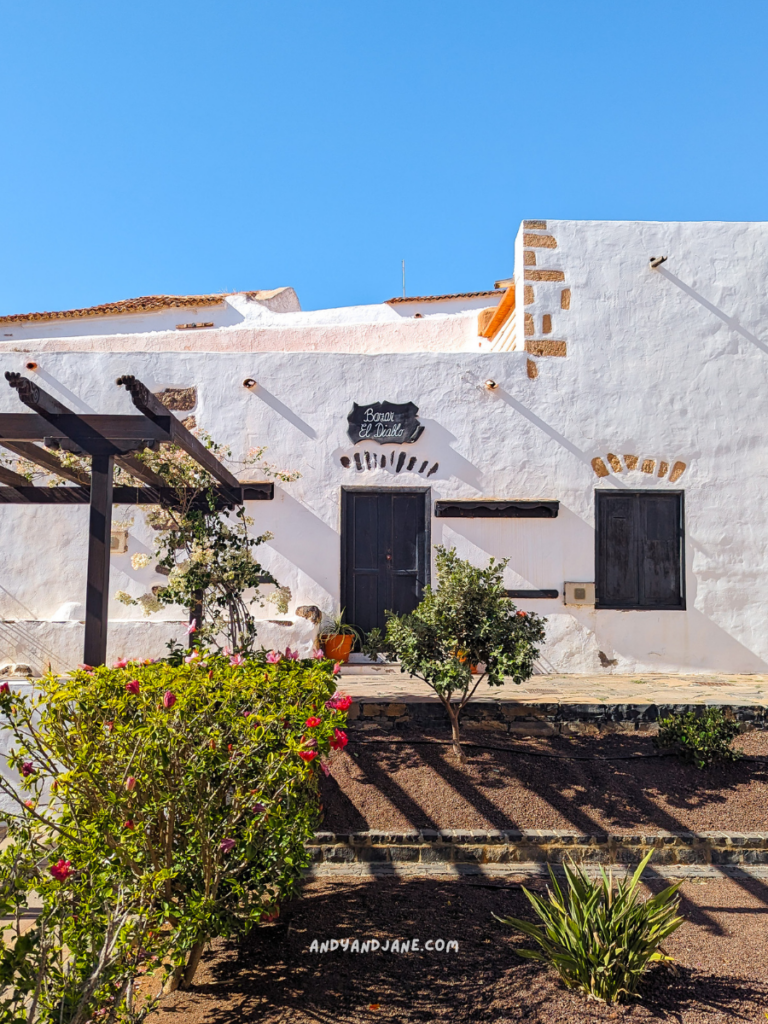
(475, 846)
(512, 719)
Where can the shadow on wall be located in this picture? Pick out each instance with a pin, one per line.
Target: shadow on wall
(274, 403)
(306, 541)
(730, 321)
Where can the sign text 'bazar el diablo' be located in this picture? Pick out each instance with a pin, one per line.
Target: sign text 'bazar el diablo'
(384, 422)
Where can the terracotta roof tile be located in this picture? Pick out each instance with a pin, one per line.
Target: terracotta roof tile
(140, 305)
(437, 298)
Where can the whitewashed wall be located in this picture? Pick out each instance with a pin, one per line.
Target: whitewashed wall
(669, 365)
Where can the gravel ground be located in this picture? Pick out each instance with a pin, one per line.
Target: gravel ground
(721, 971)
(397, 784)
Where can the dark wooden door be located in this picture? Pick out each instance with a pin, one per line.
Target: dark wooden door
(384, 553)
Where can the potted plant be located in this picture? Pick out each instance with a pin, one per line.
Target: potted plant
(338, 638)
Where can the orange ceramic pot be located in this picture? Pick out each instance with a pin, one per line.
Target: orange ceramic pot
(339, 647)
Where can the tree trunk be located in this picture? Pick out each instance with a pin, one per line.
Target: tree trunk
(192, 964)
(453, 714)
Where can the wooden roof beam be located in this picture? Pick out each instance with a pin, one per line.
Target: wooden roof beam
(46, 461)
(153, 408)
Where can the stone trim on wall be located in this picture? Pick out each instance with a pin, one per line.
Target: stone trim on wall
(480, 846)
(535, 239)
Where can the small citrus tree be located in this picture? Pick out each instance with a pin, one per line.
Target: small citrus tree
(467, 620)
(159, 807)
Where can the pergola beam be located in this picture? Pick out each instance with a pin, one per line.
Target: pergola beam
(45, 461)
(25, 493)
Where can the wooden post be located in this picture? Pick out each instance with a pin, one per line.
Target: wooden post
(99, 538)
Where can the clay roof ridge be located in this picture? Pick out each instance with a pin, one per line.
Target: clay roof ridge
(437, 298)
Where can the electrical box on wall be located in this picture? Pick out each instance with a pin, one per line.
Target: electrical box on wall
(579, 593)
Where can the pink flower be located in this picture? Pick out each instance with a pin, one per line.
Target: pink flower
(226, 651)
(339, 702)
(273, 657)
(86, 668)
(312, 722)
(169, 699)
(130, 783)
(132, 686)
(227, 845)
(307, 755)
(336, 668)
(339, 740)
(236, 659)
(129, 825)
(61, 870)
(120, 663)
(291, 655)
(192, 627)
(326, 769)
(27, 769)
(5, 688)
(192, 657)
(318, 655)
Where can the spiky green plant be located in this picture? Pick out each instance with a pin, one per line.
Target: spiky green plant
(598, 937)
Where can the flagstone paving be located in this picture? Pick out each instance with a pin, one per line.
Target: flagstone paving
(387, 681)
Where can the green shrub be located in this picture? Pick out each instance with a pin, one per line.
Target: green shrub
(600, 939)
(702, 740)
(467, 620)
(180, 802)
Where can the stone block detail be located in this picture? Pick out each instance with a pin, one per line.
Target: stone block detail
(546, 323)
(544, 275)
(535, 225)
(529, 328)
(528, 295)
(648, 465)
(540, 241)
(531, 369)
(546, 347)
(615, 462)
(677, 471)
(663, 468)
(178, 399)
(529, 258)
(631, 461)
(396, 710)
(600, 467)
(565, 298)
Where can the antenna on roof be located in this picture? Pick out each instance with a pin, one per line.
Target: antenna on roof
(403, 278)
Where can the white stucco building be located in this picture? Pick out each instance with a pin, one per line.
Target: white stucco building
(601, 419)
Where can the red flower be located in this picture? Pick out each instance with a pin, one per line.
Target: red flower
(339, 702)
(522, 614)
(5, 688)
(110, 726)
(132, 686)
(336, 668)
(129, 825)
(307, 755)
(130, 783)
(61, 870)
(27, 768)
(339, 740)
(169, 699)
(121, 663)
(313, 722)
(86, 668)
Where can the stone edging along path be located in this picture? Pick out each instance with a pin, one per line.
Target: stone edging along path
(478, 847)
(529, 719)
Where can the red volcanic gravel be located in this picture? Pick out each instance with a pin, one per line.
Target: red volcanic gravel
(397, 784)
(720, 975)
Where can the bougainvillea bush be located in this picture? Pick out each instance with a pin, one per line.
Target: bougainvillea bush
(160, 807)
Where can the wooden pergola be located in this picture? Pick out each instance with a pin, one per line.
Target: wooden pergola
(107, 440)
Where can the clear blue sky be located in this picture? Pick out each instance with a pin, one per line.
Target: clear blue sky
(159, 146)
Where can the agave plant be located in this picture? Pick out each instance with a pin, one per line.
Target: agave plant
(600, 938)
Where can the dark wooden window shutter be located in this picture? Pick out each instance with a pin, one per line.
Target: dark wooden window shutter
(639, 561)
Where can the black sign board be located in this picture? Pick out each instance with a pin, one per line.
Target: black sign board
(384, 422)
